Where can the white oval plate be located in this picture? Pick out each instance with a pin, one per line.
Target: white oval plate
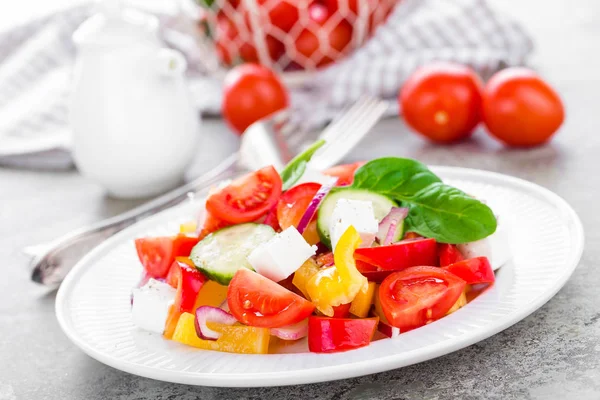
(93, 304)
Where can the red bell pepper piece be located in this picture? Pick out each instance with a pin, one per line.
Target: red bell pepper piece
(377, 276)
(188, 281)
(401, 255)
(341, 311)
(325, 259)
(473, 271)
(449, 254)
(329, 335)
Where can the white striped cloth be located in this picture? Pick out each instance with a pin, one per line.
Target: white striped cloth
(35, 63)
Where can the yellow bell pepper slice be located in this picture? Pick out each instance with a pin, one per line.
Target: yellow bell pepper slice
(211, 294)
(362, 302)
(340, 283)
(461, 302)
(303, 275)
(234, 339)
(188, 227)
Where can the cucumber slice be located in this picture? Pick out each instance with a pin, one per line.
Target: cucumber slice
(381, 207)
(222, 253)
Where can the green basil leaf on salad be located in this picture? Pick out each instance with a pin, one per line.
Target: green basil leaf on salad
(449, 215)
(295, 168)
(436, 210)
(394, 177)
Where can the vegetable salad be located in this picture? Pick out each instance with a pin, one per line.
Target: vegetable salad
(335, 257)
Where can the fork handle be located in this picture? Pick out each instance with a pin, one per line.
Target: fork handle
(82, 240)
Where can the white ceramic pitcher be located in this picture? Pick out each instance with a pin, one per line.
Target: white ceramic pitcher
(134, 125)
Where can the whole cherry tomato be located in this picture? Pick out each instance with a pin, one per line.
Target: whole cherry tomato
(282, 14)
(308, 44)
(442, 101)
(520, 109)
(251, 92)
(233, 46)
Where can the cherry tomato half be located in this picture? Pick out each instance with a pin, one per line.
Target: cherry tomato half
(246, 198)
(251, 92)
(328, 335)
(419, 295)
(344, 173)
(158, 253)
(520, 109)
(442, 101)
(257, 301)
(473, 271)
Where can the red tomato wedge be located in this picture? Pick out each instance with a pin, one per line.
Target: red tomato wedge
(246, 198)
(257, 301)
(418, 295)
(448, 254)
(293, 204)
(271, 219)
(211, 224)
(473, 270)
(158, 253)
(401, 255)
(329, 335)
(344, 173)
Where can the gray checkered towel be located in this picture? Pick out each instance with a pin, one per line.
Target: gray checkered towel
(35, 63)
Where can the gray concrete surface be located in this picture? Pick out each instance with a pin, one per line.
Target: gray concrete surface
(553, 354)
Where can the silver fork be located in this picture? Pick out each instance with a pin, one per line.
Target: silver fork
(272, 141)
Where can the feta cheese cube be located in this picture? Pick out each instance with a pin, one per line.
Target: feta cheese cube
(314, 175)
(151, 305)
(357, 213)
(282, 255)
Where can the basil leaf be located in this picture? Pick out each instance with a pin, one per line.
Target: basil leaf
(437, 210)
(295, 168)
(394, 177)
(448, 215)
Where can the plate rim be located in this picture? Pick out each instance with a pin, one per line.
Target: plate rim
(343, 371)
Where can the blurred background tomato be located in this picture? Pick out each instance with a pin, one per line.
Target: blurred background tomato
(287, 35)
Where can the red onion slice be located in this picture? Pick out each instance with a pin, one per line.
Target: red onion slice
(315, 202)
(390, 224)
(206, 314)
(292, 332)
